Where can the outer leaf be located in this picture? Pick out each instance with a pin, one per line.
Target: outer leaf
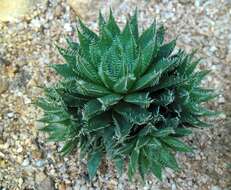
(169, 81)
(144, 164)
(156, 169)
(68, 147)
(180, 132)
(176, 144)
(53, 127)
(64, 70)
(89, 34)
(202, 95)
(133, 164)
(119, 163)
(48, 106)
(93, 163)
(134, 26)
(160, 35)
(55, 118)
(74, 100)
(148, 35)
(147, 55)
(164, 132)
(68, 55)
(167, 49)
(102, 23)
(73, 45)
(167, 159)
(190, 119)
(112, 25)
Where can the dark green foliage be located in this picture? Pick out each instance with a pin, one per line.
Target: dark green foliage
(127, 96)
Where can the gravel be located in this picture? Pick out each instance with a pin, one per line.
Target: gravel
(27, 161)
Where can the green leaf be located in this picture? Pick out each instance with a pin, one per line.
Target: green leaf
(172, 122)
(93, 163)
(176, 144)
(193, 120)
(97, 123)
(89, 89)
(124, 84)
(68, 147)
(191, 67)
(64, 70)
(147, 55)
(53, 127)
(202, 95)
(48, 106)
(74, 100)
(87, 70)
(199, 76)
(164, 132)
(167, 159)
(169, 81)
(156, 169)
(104, 76)
(164, 99)
(165, 64)
(133, 163)
(109, 100)
(108, 141)
(127, 148)
(89, 34)
(119, 163)
(139, 98)
(101, 23)
(72, 45)
(55, 118)
(84, 42)
(160, 35)
(167, 49)
(143, 163)
(147, 80)
(134, 26)
(135, 114)
(148, 35)
(123, 127)
(112, 25)
(198, 110)
(57, 132)
(155, 143)
(91, 109)
(180, 132)
(142, 141)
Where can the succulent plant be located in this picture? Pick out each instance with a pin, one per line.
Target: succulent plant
(127, 96)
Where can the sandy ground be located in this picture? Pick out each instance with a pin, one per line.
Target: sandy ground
(26, 49)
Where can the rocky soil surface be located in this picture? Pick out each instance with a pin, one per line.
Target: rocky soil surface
(27, 161)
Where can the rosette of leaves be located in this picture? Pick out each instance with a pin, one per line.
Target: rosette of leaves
(126, 96)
